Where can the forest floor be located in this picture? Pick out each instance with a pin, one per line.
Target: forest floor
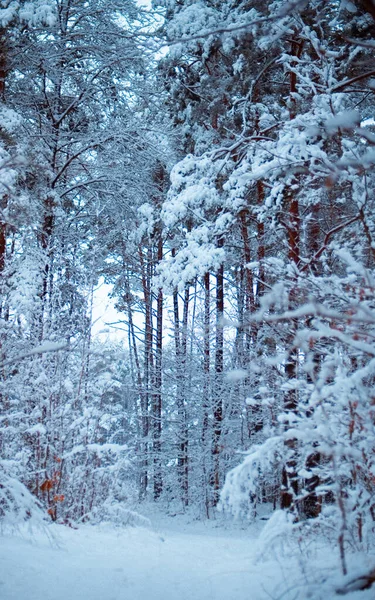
(174, 558)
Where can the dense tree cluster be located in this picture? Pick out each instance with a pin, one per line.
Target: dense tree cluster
(224, 186)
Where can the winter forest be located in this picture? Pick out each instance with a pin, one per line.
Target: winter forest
(212, 162)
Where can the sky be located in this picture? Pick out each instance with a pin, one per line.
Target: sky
(104, 313)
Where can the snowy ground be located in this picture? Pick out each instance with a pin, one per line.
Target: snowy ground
(173, 559)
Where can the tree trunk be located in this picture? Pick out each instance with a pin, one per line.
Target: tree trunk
(4, 198)
(143, 422)
(311, 505)
(46, 244)
(3, 62)
(218, 386)
(290, 481)
(206, 387)
(147, 372)
(157, 392)
(250, 329)
(180, 335)
(261, 249)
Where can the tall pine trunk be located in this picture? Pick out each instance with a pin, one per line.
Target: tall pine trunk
(218, 384)
(157, 391)
(147, 372)
(290, 480)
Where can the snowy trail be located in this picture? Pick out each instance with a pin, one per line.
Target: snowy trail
(133, 564)
(176, 560)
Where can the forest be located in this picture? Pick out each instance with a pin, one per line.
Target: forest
(213, 163)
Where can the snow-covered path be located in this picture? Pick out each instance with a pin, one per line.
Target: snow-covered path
(132, 564)
(172, 560)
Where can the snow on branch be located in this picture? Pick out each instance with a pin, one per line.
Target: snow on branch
(42, 349)
(285, 11)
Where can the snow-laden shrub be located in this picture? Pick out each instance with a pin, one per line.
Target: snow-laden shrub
(246, 484)
(17, 505)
